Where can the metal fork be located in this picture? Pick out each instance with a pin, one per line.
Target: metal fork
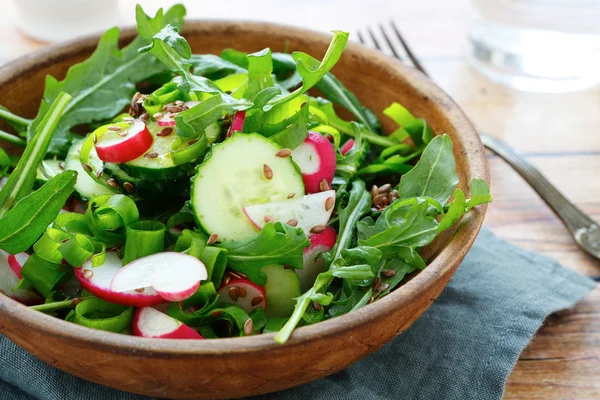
(584, 229)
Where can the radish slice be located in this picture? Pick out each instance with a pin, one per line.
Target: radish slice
(316, 159)
(97, 281)
(237, 125)
(174, 276)
(16, 262)
(346, 147)
(313, 266)
(114, 148)
(150, 323)
(168, 119)
(307, 212)
(244, 294)
(9, 279)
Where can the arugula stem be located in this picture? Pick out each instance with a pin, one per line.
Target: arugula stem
(58, 305)
(17, 141)
(15, 119)
(367, 135)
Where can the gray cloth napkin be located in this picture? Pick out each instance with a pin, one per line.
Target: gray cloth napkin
(463, 347)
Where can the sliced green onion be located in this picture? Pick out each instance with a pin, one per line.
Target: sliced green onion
(99, 314)
(99, 254)
(167, 93)
(231, 83)
(215, 260)
(102, 213)
(77, 250)
(45, 276)
(292, 136)
(402, 149)
(330, 130)
(72, 223)
(143, 238)
(48, 245)
(282, 115)
(184, 150)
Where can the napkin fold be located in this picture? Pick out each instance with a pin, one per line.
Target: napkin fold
(463, 347)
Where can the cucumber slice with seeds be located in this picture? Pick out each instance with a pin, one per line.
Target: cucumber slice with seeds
(282, 287)
(233, 177)
(86, 187)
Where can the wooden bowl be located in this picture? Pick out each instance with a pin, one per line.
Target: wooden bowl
(230, 368)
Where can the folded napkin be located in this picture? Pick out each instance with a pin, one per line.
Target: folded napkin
(463, 347)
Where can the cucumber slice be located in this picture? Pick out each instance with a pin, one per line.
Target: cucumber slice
(85, 187)
(282, 287)
(47, 170)
(233, 177)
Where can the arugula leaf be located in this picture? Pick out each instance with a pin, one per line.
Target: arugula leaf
(347, 166)
(434, 175)
(171, 49)
(21, 181)
(275, 244)
(417, 129)
(196, 119)
(213, 66)
(480, 193)
(28, 219)
(260, 67)
(4, 163)
(17, 122)
(351, 208)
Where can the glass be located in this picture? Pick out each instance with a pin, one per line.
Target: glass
(538, 45)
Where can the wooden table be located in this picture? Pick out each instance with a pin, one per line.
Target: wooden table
(560, 134)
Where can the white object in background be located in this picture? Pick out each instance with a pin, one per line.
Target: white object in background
(56, 20)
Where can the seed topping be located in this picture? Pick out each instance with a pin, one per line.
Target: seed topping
(61, 165)
(268, 219)
(87, 167)
(152, 154)
(292, 222)
(212, 239)
(140, 290)
(324, 185)
(329, 203)
(317, 229)
(267, 171)
(128, 186)
(388, 273)
(88, 274)
(291, 195)
(249, 327)
(234, 293)
(113, 183)
(243, 292)
(165, 132)
(283, 153)
(257, 300)
(376, 284)
(158, 115)
(114, 128)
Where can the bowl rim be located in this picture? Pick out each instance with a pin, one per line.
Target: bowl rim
(469, 227)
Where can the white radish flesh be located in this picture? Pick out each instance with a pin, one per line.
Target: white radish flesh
(150, 323)
(313, 265)
(316, 159)
(244, 294)
(125, 145)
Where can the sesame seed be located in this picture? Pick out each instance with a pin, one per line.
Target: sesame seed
(165, 132)
(292, 222)
(234, 293)
(388, 273)
(152, 154)
(324, 186)
(129, 187)
(114, 128)
(267, 171)
(243, 292)
(329, 203)
(249, 327)
(257, 300)
(291, 195)
(384, 189)
(140, 290)
(376, 284)
(317, 229)
(87, 167)
(216, 313)
(113, 183)
(268, 219)
(283, 153)
(88, 274)
(61, 165)
(212, 239)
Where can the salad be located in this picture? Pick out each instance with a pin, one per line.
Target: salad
(211, 196)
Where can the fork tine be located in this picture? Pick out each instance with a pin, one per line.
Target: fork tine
(374, 39)
(389, 42)
(360, 37)
(410, 54)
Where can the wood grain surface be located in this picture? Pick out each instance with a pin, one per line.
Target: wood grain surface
(558, 133)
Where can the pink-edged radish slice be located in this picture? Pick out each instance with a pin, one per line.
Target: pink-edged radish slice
(168, 119)
(97, 281)
(316, 159)
(346, 147)
(310, 212)
(9, 279)
(150, 323)
(314, 265)
(244, 294)
(16, 262)
(174, 276)
(237, 125)
(125, 145)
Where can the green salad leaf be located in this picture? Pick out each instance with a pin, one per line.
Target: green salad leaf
(260, 67)
(275, 244)
(213, 66)
(417, 129)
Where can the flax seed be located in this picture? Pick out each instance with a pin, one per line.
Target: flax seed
(283, 153)
(268, 219)
(87, 167)
(257, 300)
(376, 284)
(317, 229)
(129, 187)
(165, 132)
(123, 133)
(114, 128)
(243, 292)
(95, 138)
(372, 299)
(374, 189)
(216, 313)
(226, 279)
(88, 274)
(152, 154)
(324, 186)
(98, 173)
(144, 117)
(174, 109)
(377, 200)
(249, 327)
(234, 293)
(388, 273)
(292, 222)
(140, 290)
(384, 189)
(76, 301)
(179, 103)
(383, 288)
(329, 203)
(212, 239)
(291, 195)
(129, 120)
(317, 306)
(158, 115)
(61, 165)
(267, 171)
(113, 183)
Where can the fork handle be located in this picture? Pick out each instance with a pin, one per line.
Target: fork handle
(572, 216)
